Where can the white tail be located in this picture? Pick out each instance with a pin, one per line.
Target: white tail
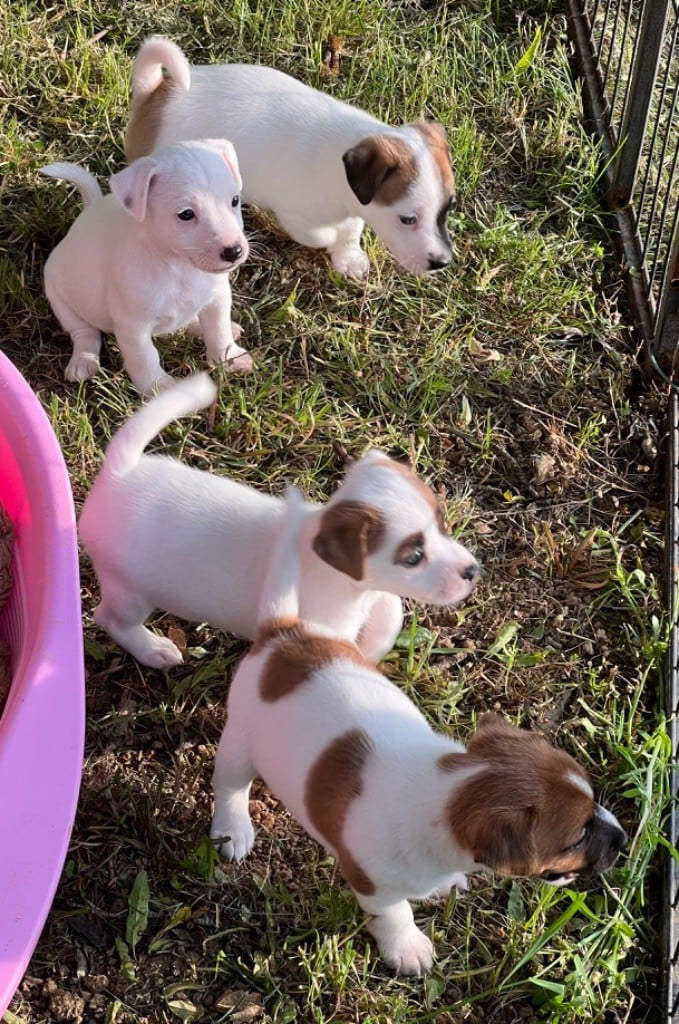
(280, 592)
(126, 446)
(87, 184)
(147, 73)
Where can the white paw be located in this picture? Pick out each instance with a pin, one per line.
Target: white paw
(160, 652)
(236, 330)
(82, 366)
(238, 835)
(351, 262)
(152, 387)
(241, 363)
(411, 952)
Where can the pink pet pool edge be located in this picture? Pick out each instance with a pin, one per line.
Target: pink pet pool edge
(42, 725)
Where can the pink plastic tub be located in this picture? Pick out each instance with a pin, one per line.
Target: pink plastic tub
(42, 725)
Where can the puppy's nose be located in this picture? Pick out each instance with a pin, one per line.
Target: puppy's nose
(231, 253)
(437, 264)
(470, 572)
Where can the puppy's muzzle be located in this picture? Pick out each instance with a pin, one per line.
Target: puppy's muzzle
(436, 263)
(231, 253)
(471, 571)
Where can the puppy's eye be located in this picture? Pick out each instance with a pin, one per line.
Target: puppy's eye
(187, 214)
(579, 842)
(452, 204)
(413, 558)
(408, 220)
(235, 201)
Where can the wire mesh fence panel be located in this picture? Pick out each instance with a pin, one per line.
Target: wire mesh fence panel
(628, 60)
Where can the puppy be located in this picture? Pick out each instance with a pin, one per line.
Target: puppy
(150, 258)
(405, 811)
(163, 535)
(322, 167)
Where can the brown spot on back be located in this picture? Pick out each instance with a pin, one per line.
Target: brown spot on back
(349, 531)
(297, 656)
(272, 629)
(520, 813)
(434, 134)
(146, 118)
(334, 780)
(380, 168)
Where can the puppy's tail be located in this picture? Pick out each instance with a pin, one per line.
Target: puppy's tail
(87, 184)
(147, 73)
(279, 601)
(126, 446)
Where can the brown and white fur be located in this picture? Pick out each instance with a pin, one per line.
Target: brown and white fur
(164, 535)
(405, 811)
(321, 166)
(150, 258)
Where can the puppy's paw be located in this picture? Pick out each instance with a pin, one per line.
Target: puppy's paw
(410, 952)
(351, 262)
(82, 366)
(236, 330)
(240, 363)
(238, 836)
(153, 387)
(160, 652)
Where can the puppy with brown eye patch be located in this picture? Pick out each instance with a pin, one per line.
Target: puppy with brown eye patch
(405, 811)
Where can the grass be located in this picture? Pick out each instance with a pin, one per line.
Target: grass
(509, 381)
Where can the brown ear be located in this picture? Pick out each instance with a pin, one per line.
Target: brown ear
(503, 840)
(368, 165)
(349, 531)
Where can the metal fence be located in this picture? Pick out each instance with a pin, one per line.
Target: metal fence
(628, 61)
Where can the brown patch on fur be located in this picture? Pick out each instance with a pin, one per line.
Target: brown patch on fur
(273, 629)
(349, 531)
(408, 547)
(297, 656)
(520, 814)
(434, 134)
(380, 168)
(334, 780)
(146, 118)
(419, 487)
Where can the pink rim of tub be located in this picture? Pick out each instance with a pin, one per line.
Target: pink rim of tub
(43, 722)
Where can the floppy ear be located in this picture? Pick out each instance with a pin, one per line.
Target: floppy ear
(503, 840)
(349, 531)
(131, 186)
(367, 166)
(228, 152)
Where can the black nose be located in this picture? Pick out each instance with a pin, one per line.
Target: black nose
(438, 264)
(231, 253)
(470, 572)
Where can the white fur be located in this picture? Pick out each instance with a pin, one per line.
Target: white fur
(291, 140)
(130, 266)
(396, 826)
(163, 535)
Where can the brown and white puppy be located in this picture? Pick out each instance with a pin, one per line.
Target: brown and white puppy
(405, 811)
(164, 535)
(322, 167)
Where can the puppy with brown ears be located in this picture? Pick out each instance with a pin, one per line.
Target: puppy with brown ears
(405, 811)
(322, 167)
(165, 535)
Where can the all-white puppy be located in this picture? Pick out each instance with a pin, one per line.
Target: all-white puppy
(164, 535)
(405, 811)
(151, 257)
(321, 166)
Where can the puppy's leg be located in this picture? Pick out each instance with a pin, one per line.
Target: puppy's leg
(402, 945)
(381, 627)
(218, 330)
(84, 362)
(141, 359)
(342, 242)
(121, 614)
(231, 781)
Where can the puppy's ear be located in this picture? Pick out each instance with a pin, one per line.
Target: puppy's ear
(228, 153)
(349, 531)
(131, 186)
(367, 167)
(503, 840)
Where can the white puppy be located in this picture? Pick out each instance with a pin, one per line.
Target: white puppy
(405, 811)
(321, 166)
(151, 257)
(163, 535)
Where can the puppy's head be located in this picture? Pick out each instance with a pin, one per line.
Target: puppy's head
(187, 196)
(405, 182)
(527, 808)
(384, 528)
